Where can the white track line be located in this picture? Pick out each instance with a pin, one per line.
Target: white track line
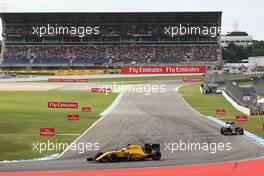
(105, 113)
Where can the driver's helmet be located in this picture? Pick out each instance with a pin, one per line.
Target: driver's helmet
(124, 150)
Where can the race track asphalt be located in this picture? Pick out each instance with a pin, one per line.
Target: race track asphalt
(157, 118)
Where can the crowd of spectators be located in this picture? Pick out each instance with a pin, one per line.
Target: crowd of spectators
(115, 53)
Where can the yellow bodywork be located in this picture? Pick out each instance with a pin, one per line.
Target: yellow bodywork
(131, 152)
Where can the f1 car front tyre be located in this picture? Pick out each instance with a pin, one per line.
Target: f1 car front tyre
(89, 159)
(223, 131)
(113, 158)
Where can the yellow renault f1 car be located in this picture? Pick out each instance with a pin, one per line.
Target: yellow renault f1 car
(130, 153)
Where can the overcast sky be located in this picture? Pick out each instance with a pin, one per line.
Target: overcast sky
(249, 14)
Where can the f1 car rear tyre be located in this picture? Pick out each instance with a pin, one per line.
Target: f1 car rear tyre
(241, 131)
(156, 156)
(147, 148)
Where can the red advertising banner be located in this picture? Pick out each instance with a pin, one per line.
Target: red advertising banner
(68, 80)
(192, 79)
(54, 80)
(86, 109)
(163, 69)
(220, 112)
(47, 131)
(99, 89)
(71, 105)
(241, 118)
(73, 117)
(81, 80)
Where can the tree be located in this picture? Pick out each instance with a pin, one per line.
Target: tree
(235, 54)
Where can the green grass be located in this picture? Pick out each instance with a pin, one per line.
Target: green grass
(207, 104)
(261, 84)
(23, 113)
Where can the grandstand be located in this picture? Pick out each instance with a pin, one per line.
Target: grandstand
(86, 40)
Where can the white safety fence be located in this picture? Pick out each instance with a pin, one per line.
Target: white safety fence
(235, 104)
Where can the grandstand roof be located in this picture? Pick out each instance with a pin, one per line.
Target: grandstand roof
(118, 17)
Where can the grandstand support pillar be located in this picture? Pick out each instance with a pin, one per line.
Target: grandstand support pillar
(3, 41)
(220, 50)
(2, 51)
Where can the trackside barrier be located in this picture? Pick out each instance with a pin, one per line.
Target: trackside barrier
(235, 104)
(68, 80)
(66, 72)
(193, 80)
(245, 96)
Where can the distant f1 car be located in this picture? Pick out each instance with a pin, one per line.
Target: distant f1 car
(218, 91)
(131, 152)
(232, 129)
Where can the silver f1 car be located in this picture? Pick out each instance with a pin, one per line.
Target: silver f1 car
(231, 129)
